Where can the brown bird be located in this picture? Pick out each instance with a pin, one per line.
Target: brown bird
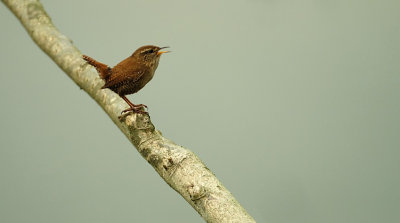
(131, 74)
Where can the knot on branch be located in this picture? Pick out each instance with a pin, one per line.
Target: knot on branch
(139, 122)
(196, 191)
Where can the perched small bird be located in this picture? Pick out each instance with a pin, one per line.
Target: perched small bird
(131, 74)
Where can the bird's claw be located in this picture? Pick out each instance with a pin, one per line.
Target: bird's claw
(140, 106)
(137, 109)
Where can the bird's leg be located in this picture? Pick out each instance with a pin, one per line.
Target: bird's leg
(133, 107)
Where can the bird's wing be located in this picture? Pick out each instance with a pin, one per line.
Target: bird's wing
(126, 71)
(120, 77)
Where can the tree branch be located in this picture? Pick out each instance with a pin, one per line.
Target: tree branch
(179, 167)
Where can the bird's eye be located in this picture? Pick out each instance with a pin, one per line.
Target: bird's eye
(150, 51)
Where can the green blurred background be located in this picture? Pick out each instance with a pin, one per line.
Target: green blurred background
(294, 105)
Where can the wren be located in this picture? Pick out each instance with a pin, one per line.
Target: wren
(131, 74)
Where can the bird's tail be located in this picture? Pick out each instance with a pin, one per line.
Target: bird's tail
(104, 70)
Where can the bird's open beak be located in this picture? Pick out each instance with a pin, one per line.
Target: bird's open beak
(161, 52)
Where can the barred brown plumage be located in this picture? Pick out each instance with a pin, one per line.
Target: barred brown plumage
(131, 74)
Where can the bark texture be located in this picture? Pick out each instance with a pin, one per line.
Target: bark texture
(179, 167)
